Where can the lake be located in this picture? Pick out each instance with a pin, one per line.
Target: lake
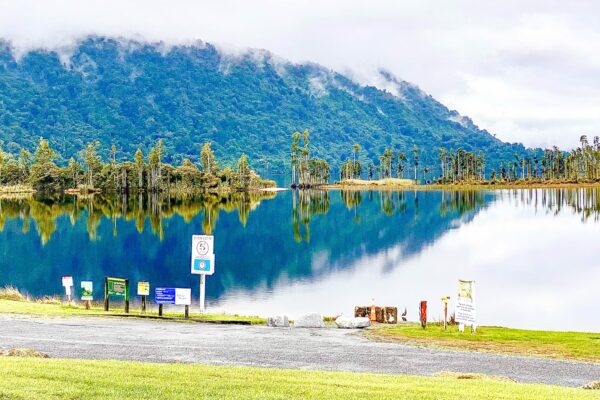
(532, 253)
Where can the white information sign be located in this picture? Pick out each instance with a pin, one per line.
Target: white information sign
(183, 297)
(465, 305)
(67, 281)
(465, 312)
(203, 257)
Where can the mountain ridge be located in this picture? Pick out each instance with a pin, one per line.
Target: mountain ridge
(131, 93)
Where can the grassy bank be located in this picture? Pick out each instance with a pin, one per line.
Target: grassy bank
(570, 345)
(30, 378)
(51, 307)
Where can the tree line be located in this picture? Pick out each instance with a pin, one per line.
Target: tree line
(459, 165)
(144, 173)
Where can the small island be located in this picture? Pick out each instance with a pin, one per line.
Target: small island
(88, 173)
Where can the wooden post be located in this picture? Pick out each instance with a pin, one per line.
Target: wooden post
(88, 304)
(126, 296)
(106, 294)
(160, 309)
(187, 312)
(144, 304)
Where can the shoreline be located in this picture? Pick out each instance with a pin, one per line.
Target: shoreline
(461, 187)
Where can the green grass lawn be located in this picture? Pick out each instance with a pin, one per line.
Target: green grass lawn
(571, 345)
(31, 307)
(30, 378)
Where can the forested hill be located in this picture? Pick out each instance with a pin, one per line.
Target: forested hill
(130, 94)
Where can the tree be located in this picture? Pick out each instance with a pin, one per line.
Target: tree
(44, 154)
(207, 159)
(415, 159)
(73, 171)
(24, 162)
(92, 161)
(401, 161)
(243, 171)
(140, 165)
(356, 149)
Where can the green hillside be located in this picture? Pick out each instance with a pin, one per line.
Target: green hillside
(131, 94)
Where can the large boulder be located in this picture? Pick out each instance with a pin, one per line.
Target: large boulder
(310, 321)
(279, 321)
(352, 323)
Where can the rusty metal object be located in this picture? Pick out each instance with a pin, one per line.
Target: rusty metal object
(423, 314)
(383, 315)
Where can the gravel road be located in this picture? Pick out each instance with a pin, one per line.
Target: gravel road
(260, 346)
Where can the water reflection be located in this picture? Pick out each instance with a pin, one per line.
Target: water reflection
(333, 250)
(141, 209)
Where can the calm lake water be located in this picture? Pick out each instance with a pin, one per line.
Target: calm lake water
(534, 254)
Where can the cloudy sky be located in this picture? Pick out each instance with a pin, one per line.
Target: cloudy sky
(526, 71)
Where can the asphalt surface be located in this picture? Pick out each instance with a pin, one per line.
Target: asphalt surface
(261, 346)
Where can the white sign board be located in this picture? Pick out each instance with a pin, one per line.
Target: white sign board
(67, 281)
(183, 297)
(465, 312)
(203, 257)
(202, 245)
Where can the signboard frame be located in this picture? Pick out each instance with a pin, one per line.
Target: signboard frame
(465, 310)
(109, 290)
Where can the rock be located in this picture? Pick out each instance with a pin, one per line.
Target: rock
(352, 323)
(592, 386)
(18, 352)
(280, 321)
(310, 321)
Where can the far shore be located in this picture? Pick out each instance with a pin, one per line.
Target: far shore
(392, 184)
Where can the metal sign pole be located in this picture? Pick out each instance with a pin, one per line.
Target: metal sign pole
(202, 293)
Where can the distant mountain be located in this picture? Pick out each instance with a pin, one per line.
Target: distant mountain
(130, 94)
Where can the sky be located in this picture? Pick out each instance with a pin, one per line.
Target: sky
(526, 71)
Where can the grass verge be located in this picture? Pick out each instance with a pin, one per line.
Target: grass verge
(570, 345)
(40, 308)
(29, 378)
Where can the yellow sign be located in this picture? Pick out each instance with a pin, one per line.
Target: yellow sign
(465, 289)
(143, 289)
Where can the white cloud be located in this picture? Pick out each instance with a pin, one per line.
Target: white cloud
(527, 71)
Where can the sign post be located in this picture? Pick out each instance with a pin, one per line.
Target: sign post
(67, 282)
(465, 306)
(87, 293)
(143, 289)
(116, 287)
(203, 261)
(445, 300)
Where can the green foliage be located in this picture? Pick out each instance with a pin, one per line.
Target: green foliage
(132, 94)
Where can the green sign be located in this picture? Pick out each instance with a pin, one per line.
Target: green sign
(117, 287)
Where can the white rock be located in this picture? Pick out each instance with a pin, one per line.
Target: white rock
(310, 321)
(352, 323)
(279, 321)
